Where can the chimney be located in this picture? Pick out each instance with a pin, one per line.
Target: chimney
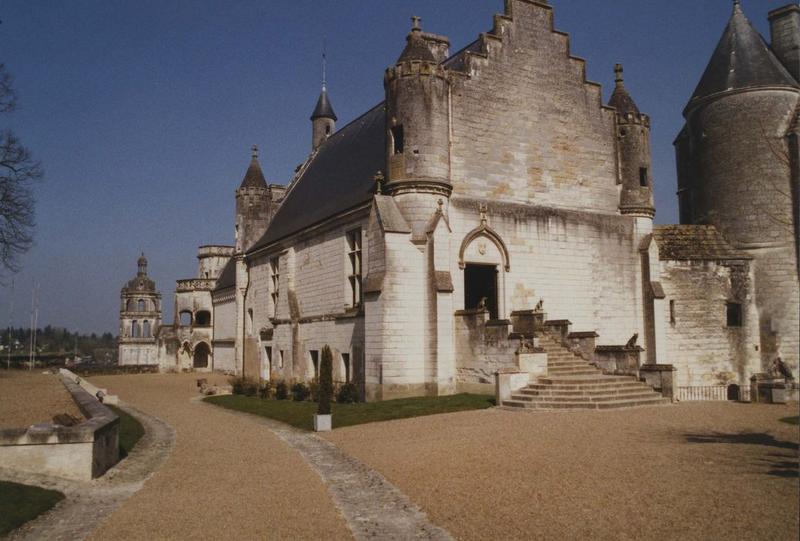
(785, 30)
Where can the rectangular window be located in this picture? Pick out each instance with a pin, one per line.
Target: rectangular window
(275, 281)
(672, 312)
(398, 139)
(354, 266)
(643, 177)
(346, 363)
(315, 362)
(734, 314)
(280, 359)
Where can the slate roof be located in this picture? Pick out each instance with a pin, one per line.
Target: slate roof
(620, 99)
(416, 49)
(254, 178)
(227, 278)
(741, 60)
(338, 177)
(694, 243)
(324, 109)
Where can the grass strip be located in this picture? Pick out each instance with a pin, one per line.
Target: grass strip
(21, 503)
(791, 420)
(130, 431)
(301, 414)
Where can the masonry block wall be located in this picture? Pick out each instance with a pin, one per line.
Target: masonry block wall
(701, 343)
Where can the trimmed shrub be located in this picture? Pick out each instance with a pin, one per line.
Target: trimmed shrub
(325, 382)
(243, 386)
(265, 390)
(348, 394)
(300, 392)
(281, 390)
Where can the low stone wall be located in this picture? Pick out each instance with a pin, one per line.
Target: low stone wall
(81, 452)
(97, 392)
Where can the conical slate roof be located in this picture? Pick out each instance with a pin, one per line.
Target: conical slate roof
(620, 99)
(324, 109)
(741, 60)
(254, 178)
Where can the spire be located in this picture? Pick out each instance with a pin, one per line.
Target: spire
(741, 60)
(254, 178)
(324, 109)
(416, 49)
(620, 99)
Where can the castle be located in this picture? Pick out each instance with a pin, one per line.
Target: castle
(493, 197)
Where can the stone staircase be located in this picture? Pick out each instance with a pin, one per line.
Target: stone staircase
(572, 383)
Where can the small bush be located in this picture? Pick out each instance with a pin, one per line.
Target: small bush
(325, 382)
(281, 390)
(265, 390)
(348, 394)
(300, 392)
(313, 390)
(243, 386)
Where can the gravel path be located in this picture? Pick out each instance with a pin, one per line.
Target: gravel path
(690, 471)
(28, 398)
(227, 477)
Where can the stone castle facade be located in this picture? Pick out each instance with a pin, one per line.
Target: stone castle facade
(492, 197)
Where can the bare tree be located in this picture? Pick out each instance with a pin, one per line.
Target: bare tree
(18, 170)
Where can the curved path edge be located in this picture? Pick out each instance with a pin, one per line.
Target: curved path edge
(372, 507)
(87, 504)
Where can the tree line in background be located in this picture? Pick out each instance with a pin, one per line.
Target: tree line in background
(55, 341)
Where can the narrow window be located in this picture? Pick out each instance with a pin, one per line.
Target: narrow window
(672, 312)
(131, 305)
(185, 318)
(643, 177)
(275, 281)
(134, 329)
(202, 318)
(354, 266)
(268, 351)
(328, 129)
(142, 305)
(346, 363)
(398, 139)
(280, 359)
(734, 314)
(315, 361)
(250, 321)
(146, 329)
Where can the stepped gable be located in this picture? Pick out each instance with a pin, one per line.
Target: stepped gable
(227, 278)
(741, 60)
(338, 177)
(694, 243)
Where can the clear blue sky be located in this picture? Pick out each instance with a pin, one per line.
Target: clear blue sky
(143, 113)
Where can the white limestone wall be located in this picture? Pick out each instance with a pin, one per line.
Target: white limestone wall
(584, 266)
(137, 354)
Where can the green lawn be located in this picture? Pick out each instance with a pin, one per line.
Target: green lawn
(130, 431)
(791, 420)
(21, 503)
(300, 414)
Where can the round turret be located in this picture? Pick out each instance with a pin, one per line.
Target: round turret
(418, 137)
(252, 205)
(633, 136)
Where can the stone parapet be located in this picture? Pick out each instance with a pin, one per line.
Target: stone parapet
(661, 377)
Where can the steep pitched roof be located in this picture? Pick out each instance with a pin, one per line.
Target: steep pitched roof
(694, 243)
(227, 278)
(254, 178)
(338, 177)
(741, 60)
(324, 109)
(620, 99)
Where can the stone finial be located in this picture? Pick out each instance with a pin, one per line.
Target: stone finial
(618, 74)
(415, 23)
(483, 210)
(440, 204)
(254, 148)
(378, 178)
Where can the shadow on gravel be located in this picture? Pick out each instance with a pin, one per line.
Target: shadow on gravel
(778, 464)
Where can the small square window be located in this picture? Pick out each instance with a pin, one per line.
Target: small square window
(734, 314)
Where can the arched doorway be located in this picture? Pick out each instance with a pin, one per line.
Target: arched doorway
(201, 354)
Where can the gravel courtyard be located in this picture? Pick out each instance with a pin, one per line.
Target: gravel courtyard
(689, 471)
(28, 398)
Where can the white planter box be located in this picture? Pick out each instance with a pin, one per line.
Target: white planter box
(322, 423)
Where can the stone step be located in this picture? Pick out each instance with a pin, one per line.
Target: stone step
(583, 380)
(559, 364)
(624, 391)
(573, 371)
(642, 394)
(589, 386)
(654, 401)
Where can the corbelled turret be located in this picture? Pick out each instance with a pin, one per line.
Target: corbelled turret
(252, 205)
(633, 144)
(418, 137)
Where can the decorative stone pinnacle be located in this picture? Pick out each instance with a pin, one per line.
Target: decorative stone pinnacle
(254, 148)
(618, 74)
(415, 23)
(378, 178)
(483, 209)
(440, 202)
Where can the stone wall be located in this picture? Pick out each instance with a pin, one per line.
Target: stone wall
(700, 344)
(526, 126)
